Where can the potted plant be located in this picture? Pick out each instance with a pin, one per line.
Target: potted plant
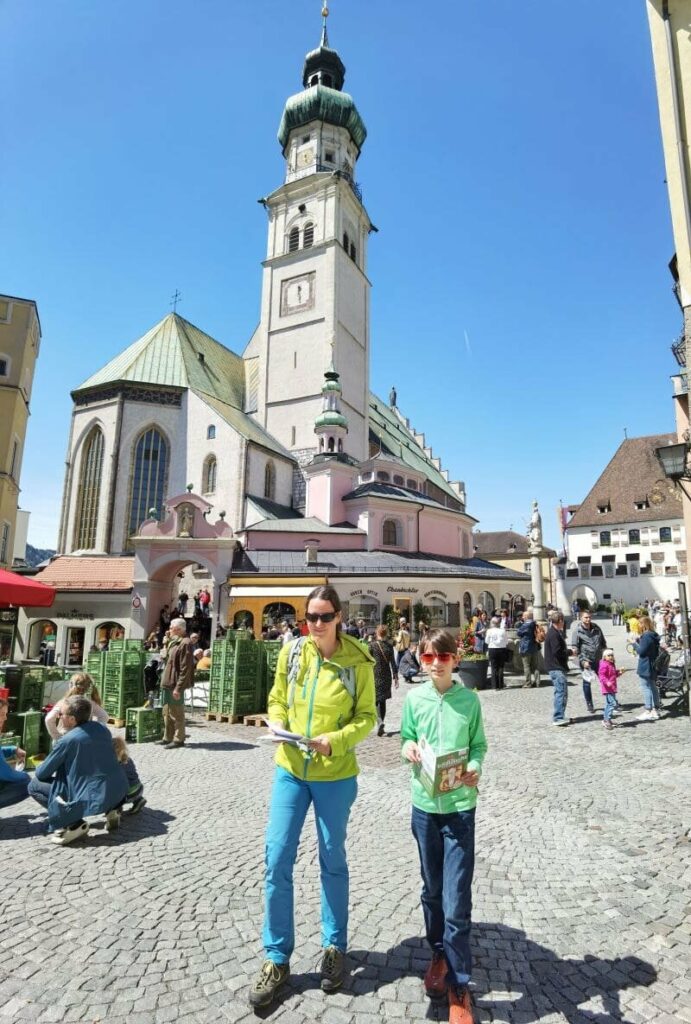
(472, 668)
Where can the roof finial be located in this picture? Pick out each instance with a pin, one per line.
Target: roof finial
(325, 15)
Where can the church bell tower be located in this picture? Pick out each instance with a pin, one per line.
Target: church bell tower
(315, 290)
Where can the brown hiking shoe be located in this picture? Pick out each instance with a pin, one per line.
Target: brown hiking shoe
(460, 1006)
(435, 976)
(268, 981)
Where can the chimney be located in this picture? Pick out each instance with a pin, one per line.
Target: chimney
(311, 552)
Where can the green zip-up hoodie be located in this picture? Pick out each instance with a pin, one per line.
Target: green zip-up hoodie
(323, 706)
(448, 721)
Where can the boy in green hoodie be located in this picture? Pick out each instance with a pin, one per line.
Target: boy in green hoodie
(448, 717)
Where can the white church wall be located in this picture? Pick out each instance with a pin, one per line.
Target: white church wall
(226, 447)
(257, 459)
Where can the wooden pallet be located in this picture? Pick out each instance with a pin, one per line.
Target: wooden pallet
(257, 720)
(119, 723)
(213, 716)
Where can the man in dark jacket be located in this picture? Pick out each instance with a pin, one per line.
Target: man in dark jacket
(81, 776)
(529, 649)
(588, 643)
(557, 664)
(178, 676)
(409, 666)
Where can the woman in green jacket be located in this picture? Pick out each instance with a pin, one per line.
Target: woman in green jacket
(449, 719)
(324, 693)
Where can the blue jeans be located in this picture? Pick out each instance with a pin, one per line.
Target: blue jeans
(290, 801)
(651, 694)
(12, 792)
(446, 844)
(561, 694)
(40, 791)
(610, 705)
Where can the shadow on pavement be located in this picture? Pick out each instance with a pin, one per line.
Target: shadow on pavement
(536, 983)
(223, 745)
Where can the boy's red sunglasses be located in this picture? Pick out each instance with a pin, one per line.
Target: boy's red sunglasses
(443, 659)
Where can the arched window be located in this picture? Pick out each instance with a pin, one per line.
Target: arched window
(89, 491)
(149, 478)
(412, 484)
(390, 533)
(486, 602)
(398, 480)
(327, 81)
(382, 475)
(331, 444)
(467, 606)
(270, 481)
(210, 432)
(209, 475)
(308, 236)
(294, 239)
(346, 241)
(353, 252)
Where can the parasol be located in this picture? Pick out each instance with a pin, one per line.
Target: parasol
(22, 590)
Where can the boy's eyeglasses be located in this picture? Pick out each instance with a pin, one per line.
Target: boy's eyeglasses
(443, 659)
(322, 617)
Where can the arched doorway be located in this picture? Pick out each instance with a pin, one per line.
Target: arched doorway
(243, 620)
(467, 606)
(486, 602)
(106, 632)
(277, 612)
(41, 635)
(583, 594)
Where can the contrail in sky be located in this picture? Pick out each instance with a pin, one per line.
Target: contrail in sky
(467, 343)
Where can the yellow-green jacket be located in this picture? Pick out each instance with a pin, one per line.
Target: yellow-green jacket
(323, 706)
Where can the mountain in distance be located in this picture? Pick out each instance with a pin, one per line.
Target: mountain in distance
(34, 556)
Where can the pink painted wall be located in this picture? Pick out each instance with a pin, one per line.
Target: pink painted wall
(268, 540)
(325, 491)
(318, 497)
(439, 535)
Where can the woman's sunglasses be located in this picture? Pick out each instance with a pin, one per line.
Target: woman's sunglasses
(323, 617)
(443, 659)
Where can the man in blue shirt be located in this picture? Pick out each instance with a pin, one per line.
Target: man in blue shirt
(13, 784)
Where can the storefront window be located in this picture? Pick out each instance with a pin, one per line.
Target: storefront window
(106, 632)
(437, 613)
(276, 613)
(75, 645)
(243, 620)
(42, 635)
(366, 608)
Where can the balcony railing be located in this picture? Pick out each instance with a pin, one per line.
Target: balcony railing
(357, 189)
(679, 350)
(680, 383)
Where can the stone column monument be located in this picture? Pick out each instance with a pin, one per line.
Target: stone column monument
(535, 549)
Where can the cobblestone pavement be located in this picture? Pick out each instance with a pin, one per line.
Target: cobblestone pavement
(580, 900)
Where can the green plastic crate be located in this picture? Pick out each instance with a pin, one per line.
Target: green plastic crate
(144, 725)
(31, 731)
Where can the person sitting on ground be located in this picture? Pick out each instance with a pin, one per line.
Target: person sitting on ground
(204, 663)
(409, 666)
(135, 787)
(13, 784)
(80, 777)
(81, 685)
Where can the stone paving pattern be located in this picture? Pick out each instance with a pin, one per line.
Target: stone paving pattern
(581, 888)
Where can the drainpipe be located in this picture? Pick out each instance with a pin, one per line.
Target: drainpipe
(679, 138)
(114, 462)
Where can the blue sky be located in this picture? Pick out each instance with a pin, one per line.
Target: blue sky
(521, 300)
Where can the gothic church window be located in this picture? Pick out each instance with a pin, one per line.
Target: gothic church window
(270, 481)
(353, 252)
(209, 475)
(308, 236)
(294, 240)
(89, 491)
(149, 478)
(210, 433)
(346, 241)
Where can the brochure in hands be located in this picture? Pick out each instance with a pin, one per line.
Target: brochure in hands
(277, 734)
(441, 773)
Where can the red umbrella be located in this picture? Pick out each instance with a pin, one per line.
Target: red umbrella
(22, 590)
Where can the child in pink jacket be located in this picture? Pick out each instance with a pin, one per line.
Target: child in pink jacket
(608, 673)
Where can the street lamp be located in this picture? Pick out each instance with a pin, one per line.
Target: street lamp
(673, 459)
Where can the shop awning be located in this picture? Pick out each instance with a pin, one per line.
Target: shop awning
(22, 591)
(272, 590)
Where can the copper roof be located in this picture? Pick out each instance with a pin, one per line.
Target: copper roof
(632, 476)
(88, 572)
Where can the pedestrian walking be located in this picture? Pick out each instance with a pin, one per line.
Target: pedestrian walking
(178, 676)
(557, 665)
(608, 673)
(647, 648)
(497, 642)
(588, 643)
(385, 673)
(449, 717)
(529, 649)
(401, 640)
(324, 692)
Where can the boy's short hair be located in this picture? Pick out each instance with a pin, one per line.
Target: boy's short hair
(440, 641)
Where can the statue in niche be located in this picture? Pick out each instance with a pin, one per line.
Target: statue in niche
(185, 520)
(535, 531)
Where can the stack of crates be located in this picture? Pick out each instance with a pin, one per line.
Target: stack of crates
(95, 666)
(123, 681)
(26, 687)
(144, 725)
(237, 668)
(30, 731)
(270, 650)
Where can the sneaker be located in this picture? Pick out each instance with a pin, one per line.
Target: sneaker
(112, 821)
(644, 717)
(591, 709)
(162, 743)
(654, 715)
(332, 968)
(70, 834)
(381, 730)
(560, 721)
(435, 976)
(174, 745)
(268, 982)
(460, 1006)
(608, 726)
(136, 806)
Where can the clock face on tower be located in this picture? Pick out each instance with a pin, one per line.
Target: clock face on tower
(306, 158)
(297, 294)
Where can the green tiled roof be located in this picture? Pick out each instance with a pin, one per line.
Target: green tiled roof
(175, 353)
(396, 439)
(319, 103)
